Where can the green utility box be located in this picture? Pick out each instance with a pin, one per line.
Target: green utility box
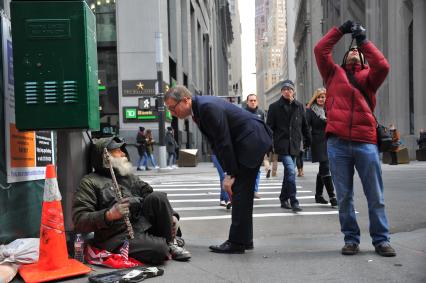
(55, 65)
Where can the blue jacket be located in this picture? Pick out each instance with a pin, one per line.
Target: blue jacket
(236, 135)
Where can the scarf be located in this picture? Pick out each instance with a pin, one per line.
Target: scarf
(319, 111)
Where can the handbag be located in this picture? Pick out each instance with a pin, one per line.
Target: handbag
(384, 136)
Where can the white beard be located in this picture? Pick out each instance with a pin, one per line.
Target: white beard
(123, 166)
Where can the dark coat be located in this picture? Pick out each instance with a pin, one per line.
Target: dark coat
(141, 141)
(171, 144)
(348, 114)
(257, 111)
(288, 122)
(236, 136)
(319, 142)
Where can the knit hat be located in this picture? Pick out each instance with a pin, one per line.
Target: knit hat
(287, 83)
(141, 129)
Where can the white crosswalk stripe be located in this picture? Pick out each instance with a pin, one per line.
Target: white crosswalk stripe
(199, 200)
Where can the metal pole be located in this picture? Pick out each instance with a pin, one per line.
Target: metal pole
(161, 110)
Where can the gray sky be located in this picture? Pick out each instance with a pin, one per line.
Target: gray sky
(247, 10)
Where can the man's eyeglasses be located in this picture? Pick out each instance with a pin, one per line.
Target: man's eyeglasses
(173, 107)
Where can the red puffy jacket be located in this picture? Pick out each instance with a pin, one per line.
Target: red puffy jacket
(348, 114)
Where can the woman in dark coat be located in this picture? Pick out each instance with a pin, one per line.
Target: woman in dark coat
(315, 116)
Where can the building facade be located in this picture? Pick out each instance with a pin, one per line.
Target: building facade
(234, 52)
(196, 38)
(397, 29)
(270, 40)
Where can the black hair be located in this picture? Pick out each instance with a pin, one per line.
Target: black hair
(361, 56)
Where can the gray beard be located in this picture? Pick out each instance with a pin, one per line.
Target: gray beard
(123, 166)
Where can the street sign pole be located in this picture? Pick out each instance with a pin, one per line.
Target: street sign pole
(161, 110)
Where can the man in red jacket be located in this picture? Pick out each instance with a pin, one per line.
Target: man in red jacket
(351, 132)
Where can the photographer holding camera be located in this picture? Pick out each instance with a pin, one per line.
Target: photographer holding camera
(351, 132)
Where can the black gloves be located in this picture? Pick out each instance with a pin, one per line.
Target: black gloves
(346, 27)
(358, 32)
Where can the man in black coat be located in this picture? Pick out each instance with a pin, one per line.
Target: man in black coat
(287, 119)
(239, 140)
(252, 107)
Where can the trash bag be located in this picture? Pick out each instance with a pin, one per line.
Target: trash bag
(20, 251)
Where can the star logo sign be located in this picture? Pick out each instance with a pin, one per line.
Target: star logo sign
(140, 86)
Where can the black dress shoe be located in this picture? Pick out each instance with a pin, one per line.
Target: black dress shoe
(249, 246)
(228, 248)
(286, 205)
(296, 207)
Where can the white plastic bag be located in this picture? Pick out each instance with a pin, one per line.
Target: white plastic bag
(20, 251)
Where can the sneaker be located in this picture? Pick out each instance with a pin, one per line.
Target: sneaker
(156, 167)
(222, 203)
(175, 166)
(179, 253)
(179, 241)
(385, 249)
(228, 205)
(256, 195)
(350, 249)
(285, 204)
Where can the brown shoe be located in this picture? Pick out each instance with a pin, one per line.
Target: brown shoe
(350, 249)
(385, 249)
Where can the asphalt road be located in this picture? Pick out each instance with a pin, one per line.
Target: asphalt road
(303, 247)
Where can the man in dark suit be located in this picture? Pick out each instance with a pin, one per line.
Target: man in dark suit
(240, 140)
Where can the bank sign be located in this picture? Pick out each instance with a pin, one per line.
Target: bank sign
(137, 115)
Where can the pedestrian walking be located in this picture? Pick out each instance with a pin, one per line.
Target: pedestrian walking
(316, 117)
(171, 146)
(396, 144)
(287, 119)
(141, 145)
(252, 107)
(239, 141)
(351, 132)
(150, 149)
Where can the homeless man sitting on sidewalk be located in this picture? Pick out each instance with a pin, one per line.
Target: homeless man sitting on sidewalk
(96, 209)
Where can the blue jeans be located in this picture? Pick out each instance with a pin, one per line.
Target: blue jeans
(288, 189)
(223, 194)
(344, 156)
(256, 187)
(151, 158)
(143, 160)
(171, 159)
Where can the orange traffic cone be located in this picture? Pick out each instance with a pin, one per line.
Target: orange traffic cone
(53, 260)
